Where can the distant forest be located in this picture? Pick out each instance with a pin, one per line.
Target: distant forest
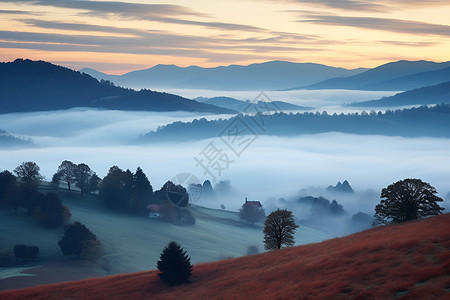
(421, 121)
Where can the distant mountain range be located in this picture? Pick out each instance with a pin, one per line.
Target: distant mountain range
(280, 75)
(251, 107)
(264, 76)
(27, 85)
(395, 76)
(435, 94)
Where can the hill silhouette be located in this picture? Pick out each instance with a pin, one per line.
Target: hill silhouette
(414, 122)
(27, 85)
(262, 76)
(248, 106)
(390, 77)
(404, 261)
(439, 93)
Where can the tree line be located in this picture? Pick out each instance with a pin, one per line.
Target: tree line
(420, 121)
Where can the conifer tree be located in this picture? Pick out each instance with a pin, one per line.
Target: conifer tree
(174, 264)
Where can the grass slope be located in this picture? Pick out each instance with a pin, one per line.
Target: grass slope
(131, 244)
(406, 261)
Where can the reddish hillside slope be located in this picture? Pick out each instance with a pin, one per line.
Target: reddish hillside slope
(407, 261)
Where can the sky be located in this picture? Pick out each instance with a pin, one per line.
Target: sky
(120, 36)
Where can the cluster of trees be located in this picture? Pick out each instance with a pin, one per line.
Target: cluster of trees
(422, 121)
(322, 206)
(81, 175)
(252, 211)
(22, 192)
(132, 193)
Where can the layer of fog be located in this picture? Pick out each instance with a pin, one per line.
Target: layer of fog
(269, 169)
(330, 100)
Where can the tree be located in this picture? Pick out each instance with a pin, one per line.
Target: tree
(66, 171)
(142, 193)
(94, 183)
(82, 174)
(29, 172)
(252, 212)
(174, 264)
(74, 237)
(279, 229)
(112, 189)
(8, 189)
(48, 209)
(406, 200)
(176, 193)
(56, 179)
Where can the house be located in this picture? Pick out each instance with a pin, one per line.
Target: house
(252, 204)
(154, 211)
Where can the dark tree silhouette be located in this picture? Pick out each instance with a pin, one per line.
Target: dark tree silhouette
(82, 175)
(74, 236)
(8, 188)
(252, 212)
(66, 171)
(279, 229)
(142, 193)
(174, 264)
(406, 200)
(48, 209)
(29, 172)
(94, 183)
(114, 187)
(56, 179)
(26, 252)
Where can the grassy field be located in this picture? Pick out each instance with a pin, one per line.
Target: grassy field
(406, 261)
(134, 244)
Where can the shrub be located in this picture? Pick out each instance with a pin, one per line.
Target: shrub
(74, 236)
(174, 264)
(26, 252)
(252, 250)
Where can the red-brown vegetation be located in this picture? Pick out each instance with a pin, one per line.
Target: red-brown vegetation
(404, 261)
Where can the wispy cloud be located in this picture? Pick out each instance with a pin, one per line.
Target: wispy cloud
(386, 24)
(17, 12)
(163, 13)
(370, 5)
(354, 5)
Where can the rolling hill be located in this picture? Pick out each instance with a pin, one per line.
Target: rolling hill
(248, 106)
(130, 243)
(405, 261)
(390, 77)
(264, 76)
(435, 94)
(27, 85)
(413, 122)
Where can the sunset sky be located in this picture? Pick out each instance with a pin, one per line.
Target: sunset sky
(119, 36)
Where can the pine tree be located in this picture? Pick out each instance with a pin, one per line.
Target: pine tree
(174, 264)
